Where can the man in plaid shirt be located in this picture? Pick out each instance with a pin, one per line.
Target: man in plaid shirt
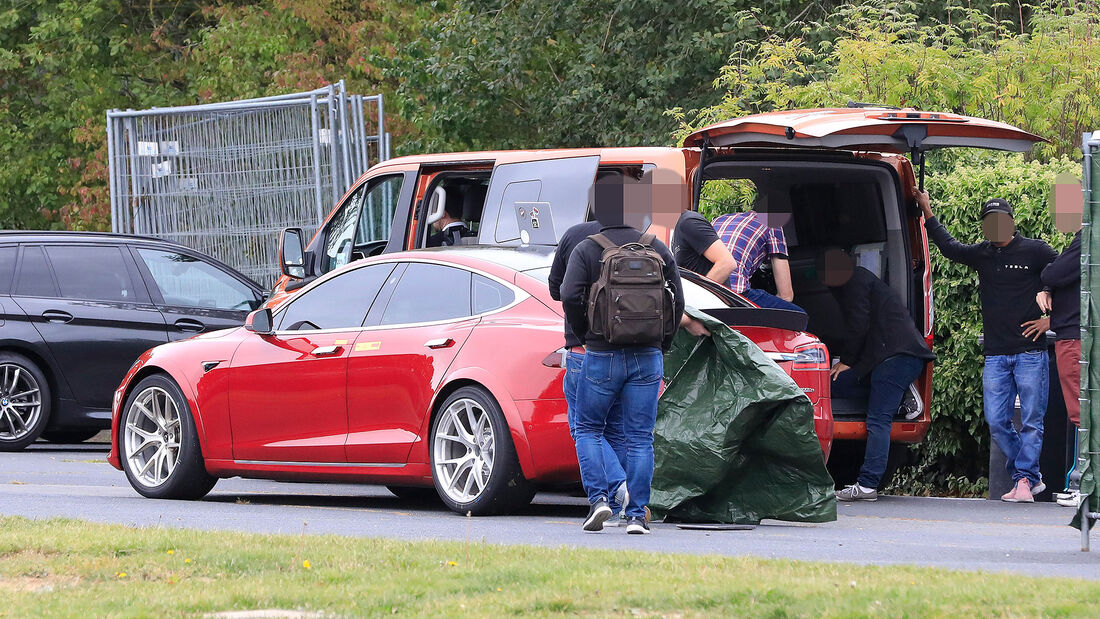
(750, 240)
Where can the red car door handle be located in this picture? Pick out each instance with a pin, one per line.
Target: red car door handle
(57, 316)
(443, 342)
(325, 351)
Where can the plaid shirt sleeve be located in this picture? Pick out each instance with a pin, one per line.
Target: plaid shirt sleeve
(777, 243)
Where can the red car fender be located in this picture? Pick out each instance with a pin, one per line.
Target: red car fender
(507, 406)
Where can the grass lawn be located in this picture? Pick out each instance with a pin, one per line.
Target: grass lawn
(74, 568)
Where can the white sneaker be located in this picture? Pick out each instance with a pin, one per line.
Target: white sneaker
(1069, 499)
(622, 497)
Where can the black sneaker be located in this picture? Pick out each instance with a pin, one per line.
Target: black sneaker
(637, 526)
(597, 515)
(911, 404)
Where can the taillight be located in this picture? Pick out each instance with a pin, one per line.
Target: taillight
(555, 359)
(811, 357)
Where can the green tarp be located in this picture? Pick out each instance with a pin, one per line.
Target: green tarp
(734, 440)
(1088, 446)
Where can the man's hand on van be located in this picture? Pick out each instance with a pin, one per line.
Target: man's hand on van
(1043, 301)
(1036, 329)
(693, 326)
(923, 202)
(837, 369)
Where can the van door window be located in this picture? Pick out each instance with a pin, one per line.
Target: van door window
(362, 225)
(564, 184)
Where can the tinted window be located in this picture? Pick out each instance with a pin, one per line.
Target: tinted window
(489, 295)
(92, 273)
(429, 292)
(339, 303)
(189, 282)
(35, 279)
(7, 268)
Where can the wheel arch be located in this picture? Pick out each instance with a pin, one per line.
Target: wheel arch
(47, 368)
(475, 377)
(149, 370)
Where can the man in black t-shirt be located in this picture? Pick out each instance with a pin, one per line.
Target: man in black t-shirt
(1009, 267)
(697, 248)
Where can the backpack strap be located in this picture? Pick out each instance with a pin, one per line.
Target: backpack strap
(603, 241)
(647, 239)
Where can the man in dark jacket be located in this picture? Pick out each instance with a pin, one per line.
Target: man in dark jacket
(450, 229)
(631, 375)
(1016, 363)
(881, 349)
(1061, 298)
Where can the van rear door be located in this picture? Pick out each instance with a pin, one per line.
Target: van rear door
(864, 129)
(564, 184)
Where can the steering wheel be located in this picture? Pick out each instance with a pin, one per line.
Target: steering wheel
(371, 248)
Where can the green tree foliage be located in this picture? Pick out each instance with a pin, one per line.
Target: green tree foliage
(1041, 79)
(504, 74)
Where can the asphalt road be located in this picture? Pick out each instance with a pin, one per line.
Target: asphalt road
(971, 534)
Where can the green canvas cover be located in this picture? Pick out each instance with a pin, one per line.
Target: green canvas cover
(734, 440)
(1088, 445)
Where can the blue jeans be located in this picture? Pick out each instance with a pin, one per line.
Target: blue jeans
(1026, 374)
(887, 382)
(613, 461)
(766, 299)
(633, 377)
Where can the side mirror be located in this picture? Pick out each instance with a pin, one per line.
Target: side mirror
(259, 321)
(292, 262)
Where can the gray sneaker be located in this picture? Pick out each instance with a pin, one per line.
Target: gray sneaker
(855, 493)
(911, 404)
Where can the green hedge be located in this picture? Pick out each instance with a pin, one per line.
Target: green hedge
(958, 446)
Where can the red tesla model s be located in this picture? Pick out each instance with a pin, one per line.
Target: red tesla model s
(428, 367)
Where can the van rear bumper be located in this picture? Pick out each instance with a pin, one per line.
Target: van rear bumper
(902, 431)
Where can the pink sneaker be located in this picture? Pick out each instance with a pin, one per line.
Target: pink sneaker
(1020, 494)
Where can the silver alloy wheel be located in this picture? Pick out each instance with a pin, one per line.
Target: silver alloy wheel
(465, 448)
(152, 436)
(20, 402)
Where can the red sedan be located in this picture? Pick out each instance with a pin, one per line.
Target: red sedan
(436, 366)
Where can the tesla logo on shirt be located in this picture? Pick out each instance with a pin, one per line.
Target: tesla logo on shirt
(1018, 267)
(368, 346)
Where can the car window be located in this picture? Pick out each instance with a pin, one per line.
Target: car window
(341, 302)
(35, 278)
(89, 272)
(365, 216)
(7, 267)
(489, 295)
(429, 292)
(700, 298)
(376, 211)
(188, 281)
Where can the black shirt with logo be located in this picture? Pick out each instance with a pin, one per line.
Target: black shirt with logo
(1008, 280)
(693, 236)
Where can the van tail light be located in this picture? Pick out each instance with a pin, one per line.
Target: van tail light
(807, 357)
(555, 359)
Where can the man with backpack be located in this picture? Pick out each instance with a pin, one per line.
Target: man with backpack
(623, 298)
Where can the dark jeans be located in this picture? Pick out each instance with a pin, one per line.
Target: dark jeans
(766, 299)
(1026, 374)
(633, 377)
(887, 384)
(613, 461)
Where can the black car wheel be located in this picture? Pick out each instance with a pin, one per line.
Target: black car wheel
(474, 463)
(158, 443)
(24, 402)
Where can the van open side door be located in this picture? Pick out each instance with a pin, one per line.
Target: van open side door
(564, 184)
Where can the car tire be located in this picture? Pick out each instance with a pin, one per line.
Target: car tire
(25, 402)
(69, 436)
(159, 445)
(416, 494)
(470, 427)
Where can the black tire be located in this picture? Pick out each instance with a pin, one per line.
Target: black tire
(416, 494)
(14, 437)
(189, 479)
(506, 488)
(69, 436)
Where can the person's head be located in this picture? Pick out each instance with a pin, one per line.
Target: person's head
(835, 267)
(452, 212)
(767, 212)
(608, 204)
(1067, 203)
(998, 226)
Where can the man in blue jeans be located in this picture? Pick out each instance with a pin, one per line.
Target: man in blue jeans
(1009, 266)
(880, 355)
(630, 376)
